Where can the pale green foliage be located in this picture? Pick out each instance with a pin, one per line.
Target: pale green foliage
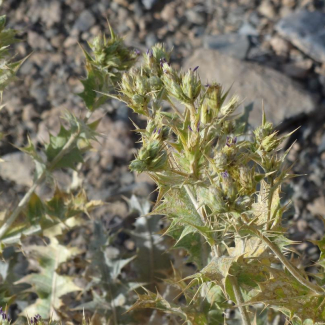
(220, 188)
(110, 56)
(48, 284)
(8, 69)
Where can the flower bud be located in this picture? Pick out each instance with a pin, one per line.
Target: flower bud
(221, 160)
(246, 179)
(227, 185)
(191, 85)
(155, 83)
(213, 96)
(270, 142)
(230, 107)
(151, 157)
(262, 131)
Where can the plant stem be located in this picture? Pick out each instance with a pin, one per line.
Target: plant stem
(214, 248)
(240, 301)
(195, 203)
(4, 228)
(291, 268)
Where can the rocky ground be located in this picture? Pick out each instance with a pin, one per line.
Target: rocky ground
(271, 49)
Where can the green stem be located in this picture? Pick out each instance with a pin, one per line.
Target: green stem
(291, 268)
(21, 205)
(214, 248)
(239, 300)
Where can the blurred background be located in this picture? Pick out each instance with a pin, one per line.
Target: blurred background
(268, 50)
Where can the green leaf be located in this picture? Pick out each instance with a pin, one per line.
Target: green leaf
(283, 292)
(35, 209)
(55, 146)
(96, 81)
(156, 301)
(48, 284)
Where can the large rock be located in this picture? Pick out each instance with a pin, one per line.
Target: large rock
(235, 45)
(282, 97)
(306, 30)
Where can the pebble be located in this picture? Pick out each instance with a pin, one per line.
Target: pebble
(280, 46)
(195, 16)
(168, 12)
(17, 167)
(39, 92)
(267, 9)
(148, 4)
(37, 41)
(306, 30)
(85, 21)
(248, 29)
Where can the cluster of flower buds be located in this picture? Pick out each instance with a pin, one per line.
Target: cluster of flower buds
(36, 319)
(183, 87)
(155, 58)
(151, 157)
(212, 102)
(135, 89)
(4, 318)
(110, 54)
(228, 187)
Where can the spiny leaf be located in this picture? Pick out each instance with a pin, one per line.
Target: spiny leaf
(48, 284)
(156, 301)
(95, 83)
(285, 293)
(55, 146)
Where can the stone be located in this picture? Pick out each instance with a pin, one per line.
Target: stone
(51, 13)
(234, 45)
(280, 46)
(168, 12)
(194, 16)
(305, 30)
(148, 4)
(298, 69)
(39, 92)
(29, 113)
(37, 41)
(282, 97)
(85, 21)
(247, 29)
(17, 167)
(317, 207)
(267, 9)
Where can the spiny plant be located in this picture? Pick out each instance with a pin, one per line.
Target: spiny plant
(219, 186)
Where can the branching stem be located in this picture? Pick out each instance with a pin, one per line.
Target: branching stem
(291, 268)
(214, 248)
(240, 301)
(4, 228)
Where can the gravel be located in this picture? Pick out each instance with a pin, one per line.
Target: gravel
(282, 40)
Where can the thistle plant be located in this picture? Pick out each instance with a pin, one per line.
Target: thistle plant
(220, 188)
(219, 185)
